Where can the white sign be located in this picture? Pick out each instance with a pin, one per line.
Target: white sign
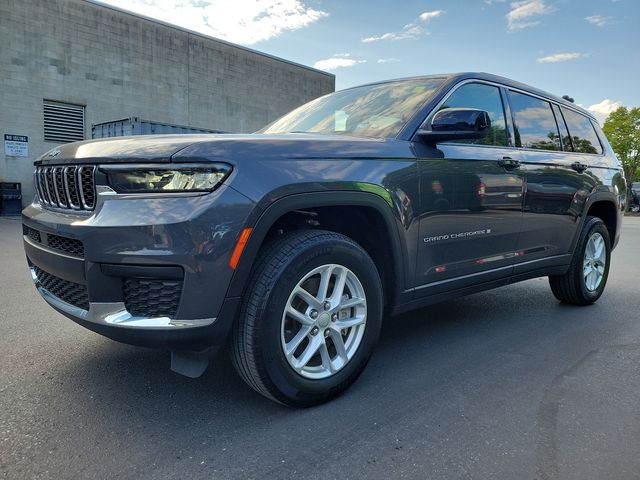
(16, 145)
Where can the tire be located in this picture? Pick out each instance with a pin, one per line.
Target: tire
(574, 287)
(299, 261)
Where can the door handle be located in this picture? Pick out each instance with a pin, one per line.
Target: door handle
(509, 163)
(579, 167)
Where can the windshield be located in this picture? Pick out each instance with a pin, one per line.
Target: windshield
(379, 110)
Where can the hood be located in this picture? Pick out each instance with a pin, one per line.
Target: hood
(181, 148)
(139, 149)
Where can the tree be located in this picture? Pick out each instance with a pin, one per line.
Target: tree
(622, 128)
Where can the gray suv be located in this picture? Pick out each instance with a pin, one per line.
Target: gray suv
(293, 243)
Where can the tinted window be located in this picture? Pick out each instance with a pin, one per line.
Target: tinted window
(562, 126)
(583, 136)
(483, 97)
(535, 126)
(379, 110)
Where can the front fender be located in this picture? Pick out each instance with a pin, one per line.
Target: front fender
(262, 220)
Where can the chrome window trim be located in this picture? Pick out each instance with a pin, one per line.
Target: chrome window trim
(518, 90)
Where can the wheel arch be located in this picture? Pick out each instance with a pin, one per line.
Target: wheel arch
(603, 205)
(395, 262)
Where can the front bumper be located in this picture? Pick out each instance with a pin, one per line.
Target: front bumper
(141, 269)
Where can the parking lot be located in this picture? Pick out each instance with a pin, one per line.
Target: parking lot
(503, 384)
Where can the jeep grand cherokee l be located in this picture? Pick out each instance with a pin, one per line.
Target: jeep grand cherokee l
(292, 244)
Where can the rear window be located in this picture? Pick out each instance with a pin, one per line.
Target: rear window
(583, 136)
(535, 125)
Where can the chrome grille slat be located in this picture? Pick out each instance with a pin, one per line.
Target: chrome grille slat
(51, 193)
(45, 190)
(66, 187)
(59, 187)
(39, 184)
(36, 183)
(71, 187)
(87, 188)
(42, 186)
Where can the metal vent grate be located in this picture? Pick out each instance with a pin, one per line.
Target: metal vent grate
(63, 122)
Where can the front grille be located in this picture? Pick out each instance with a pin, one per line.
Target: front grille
(68, 245)
(71, 187)
(69, 292)
(152, 298)
(33, 235)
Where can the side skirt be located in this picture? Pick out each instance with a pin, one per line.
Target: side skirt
(525, 271)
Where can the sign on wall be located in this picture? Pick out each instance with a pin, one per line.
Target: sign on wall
(16, 145)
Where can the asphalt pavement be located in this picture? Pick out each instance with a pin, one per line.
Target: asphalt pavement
(506, 384)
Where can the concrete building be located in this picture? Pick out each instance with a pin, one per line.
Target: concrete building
(68, 64)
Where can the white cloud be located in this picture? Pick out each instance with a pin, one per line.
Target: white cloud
(342, 55)
(599, 20)
(410, 30)
(561, 57)
(602, 110)
(241, 21)
(523, 14)
(387, 60)
(426, 16)
(336, 62)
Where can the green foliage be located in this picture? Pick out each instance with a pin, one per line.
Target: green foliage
(622, 128)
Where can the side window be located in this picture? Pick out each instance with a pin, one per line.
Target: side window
(583, 135)
(535, 126)
(562, 126)
(483, 97)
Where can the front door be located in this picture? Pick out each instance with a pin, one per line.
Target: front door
(471, 202)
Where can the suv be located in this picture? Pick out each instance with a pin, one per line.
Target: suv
(292, 244)
(634, 202)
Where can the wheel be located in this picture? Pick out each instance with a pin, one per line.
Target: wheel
(309, 319)
(587, 276)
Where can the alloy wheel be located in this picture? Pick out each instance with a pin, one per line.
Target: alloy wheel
(595, 259)
(324, 321)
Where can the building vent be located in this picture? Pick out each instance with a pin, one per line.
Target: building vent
(63, 122)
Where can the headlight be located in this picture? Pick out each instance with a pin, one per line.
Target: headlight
(166, 179)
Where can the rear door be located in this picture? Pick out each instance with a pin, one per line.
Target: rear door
(471, 201)
(558, 178)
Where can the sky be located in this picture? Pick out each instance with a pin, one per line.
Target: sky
(588, 49)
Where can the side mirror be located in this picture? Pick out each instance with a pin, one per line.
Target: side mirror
(457, 124)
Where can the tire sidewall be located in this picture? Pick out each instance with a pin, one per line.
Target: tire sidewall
(594, 225)
(288, 381)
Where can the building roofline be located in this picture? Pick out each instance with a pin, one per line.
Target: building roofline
(98, 3)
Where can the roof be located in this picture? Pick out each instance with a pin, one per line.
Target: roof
(207, 37)
(515, 84)
(453, 78)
